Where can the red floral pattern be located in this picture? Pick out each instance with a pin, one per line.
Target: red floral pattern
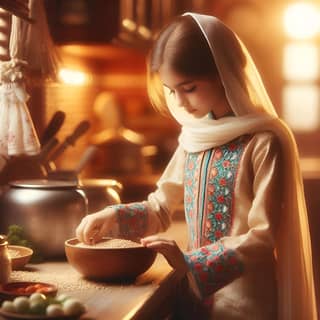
(211, 177)
(132, 219)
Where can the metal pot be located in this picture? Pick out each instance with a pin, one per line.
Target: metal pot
(100, 192)
(49, 212)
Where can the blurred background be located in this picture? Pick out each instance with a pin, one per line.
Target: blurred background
(103, 47)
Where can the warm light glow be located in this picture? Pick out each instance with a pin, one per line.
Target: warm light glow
(301, 20)
(301, 62)
(3, 36)
(301, 107)
(73, 77)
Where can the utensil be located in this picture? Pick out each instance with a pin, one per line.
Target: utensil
(19, 255)
(70, 140)
(26, 166)
(5, 262)
(15, 289)
(72, 175)
(109, 264)
(49, 212)
(53, 127)
(101, 193)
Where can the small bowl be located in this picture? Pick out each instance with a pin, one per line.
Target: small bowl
(19, 255)
(11, 290)
(109, 264)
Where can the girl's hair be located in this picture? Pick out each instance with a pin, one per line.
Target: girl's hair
(182, 46)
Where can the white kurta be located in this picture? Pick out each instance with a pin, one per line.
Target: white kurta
(232, 204)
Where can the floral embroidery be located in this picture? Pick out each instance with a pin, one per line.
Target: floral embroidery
(213, 267)
(132, 219)
(209, 183)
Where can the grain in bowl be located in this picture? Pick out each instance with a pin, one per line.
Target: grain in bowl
(112, 243)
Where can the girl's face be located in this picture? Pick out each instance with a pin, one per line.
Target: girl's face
(194, 97)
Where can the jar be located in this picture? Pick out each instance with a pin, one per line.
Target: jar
(5, 261)
(48, 211)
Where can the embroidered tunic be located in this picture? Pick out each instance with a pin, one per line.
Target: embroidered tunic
(231, 199)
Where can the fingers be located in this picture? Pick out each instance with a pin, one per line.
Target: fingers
(169, 249)
(88, 230)
(156, 241)
(79, 229)
(94, 226)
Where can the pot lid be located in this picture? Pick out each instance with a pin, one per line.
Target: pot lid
(43, 184)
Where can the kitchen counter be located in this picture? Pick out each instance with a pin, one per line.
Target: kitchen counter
(148, 297)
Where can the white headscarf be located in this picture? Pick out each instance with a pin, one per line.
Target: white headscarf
(254, 112)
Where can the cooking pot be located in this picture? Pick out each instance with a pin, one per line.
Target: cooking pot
(100, 192)
(48, 210)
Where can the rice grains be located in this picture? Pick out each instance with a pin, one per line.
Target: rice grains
(113, 243)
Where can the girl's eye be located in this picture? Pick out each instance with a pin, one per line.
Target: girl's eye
(190, 89)
(171, 92)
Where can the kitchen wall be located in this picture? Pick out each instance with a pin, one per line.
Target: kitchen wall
(110, 55)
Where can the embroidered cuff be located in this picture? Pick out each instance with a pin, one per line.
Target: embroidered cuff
(213, 267)
(132, 219)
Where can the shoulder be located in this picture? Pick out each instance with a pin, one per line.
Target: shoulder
(264, 146)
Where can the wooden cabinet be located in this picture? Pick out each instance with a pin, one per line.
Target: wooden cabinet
(83, 21)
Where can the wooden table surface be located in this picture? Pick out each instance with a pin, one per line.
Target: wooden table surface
(145, 298)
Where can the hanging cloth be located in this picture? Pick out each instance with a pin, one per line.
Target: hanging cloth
(32, 50)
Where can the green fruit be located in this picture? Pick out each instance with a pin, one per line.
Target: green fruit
(21, 304)
(37, 296)
(62, 297)
(38, 307)
(8, 306)
(54, 310)
(73, 307)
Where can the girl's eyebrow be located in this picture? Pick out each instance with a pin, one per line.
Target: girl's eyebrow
(179, 84)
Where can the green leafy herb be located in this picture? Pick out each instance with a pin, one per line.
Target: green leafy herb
(16, 236)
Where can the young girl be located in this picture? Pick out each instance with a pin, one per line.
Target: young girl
(236, 168)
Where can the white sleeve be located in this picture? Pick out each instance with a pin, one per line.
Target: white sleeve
(153, 215)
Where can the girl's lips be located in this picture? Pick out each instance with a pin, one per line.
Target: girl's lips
(191, 110)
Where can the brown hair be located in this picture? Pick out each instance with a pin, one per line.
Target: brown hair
(182, 46)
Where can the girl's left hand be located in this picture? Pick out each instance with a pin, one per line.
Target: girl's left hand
(169, 249)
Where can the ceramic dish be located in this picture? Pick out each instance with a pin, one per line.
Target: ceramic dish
(19, 255)
(11, 315)
(11, 290)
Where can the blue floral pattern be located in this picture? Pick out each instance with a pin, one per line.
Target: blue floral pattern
(210, 177)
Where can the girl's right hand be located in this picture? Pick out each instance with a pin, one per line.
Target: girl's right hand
(96, 225)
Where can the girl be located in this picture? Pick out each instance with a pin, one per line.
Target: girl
(236, 167)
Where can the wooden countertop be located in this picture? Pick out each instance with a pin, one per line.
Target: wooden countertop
(146, 298)
(140, 299)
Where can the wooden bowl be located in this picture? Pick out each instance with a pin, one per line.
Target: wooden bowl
(109, 264)
(19, 255)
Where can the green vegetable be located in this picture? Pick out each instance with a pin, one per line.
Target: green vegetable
(38, 304)
(16, 236)
(8, 306)
(21, 304)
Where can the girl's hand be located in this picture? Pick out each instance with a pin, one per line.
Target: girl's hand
(95, 226)
(169, 249)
